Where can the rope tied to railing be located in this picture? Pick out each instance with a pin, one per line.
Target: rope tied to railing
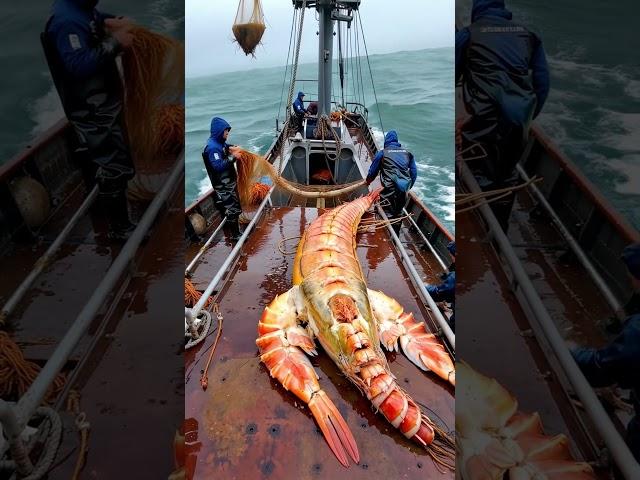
(83, 426)
(204, 379)
(489, 196)
(17, 374)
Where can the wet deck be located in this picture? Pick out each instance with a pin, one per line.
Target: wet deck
(497, 344)
(247, 426)
(131, 380)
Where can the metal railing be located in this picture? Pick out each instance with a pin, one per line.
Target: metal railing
(14, 417)
(573, 244)
(44, 260)
(191, 314)
(603, 425)
(419, 284)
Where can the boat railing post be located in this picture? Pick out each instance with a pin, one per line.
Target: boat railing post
(203, 249)
(573, 244)
(426, 241)
(419, 284)
(44, 260)
(230, 258)
(603, 425)
(32, 398)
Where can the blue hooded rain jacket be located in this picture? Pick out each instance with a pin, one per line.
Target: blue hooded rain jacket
(502, 53)
(215, 151)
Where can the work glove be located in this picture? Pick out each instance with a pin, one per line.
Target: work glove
(432, 289)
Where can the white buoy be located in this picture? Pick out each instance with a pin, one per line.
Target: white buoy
(199, 223)
(32, 200)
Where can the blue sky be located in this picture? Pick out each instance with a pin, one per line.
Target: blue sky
(389, 27)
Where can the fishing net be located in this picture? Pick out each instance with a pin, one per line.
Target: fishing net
(252, 166)
(249, 26)
(153, 71)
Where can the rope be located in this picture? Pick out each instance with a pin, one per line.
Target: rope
(83, 426)
(283, 241)
(51, 444)
(203, 329)
(364, 41)
(286, 68)
(252, 164)
(204, 379)
(489, 196)
(322, 128)
(192, 295)
(295, 62)
(17, 374)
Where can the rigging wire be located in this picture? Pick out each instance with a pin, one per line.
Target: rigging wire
(286, 67)
(364, 41)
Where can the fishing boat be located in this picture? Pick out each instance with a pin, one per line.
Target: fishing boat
(76, 304)
(555, 277)
(244, 424)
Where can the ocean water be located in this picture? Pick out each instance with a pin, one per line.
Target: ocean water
(29, 102)
(415, 98)
(593, 110)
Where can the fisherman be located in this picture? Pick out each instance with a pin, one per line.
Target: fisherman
(300, 112)
(220, 165)
(81, 45)
(398, 173)
(446, 291)
(619, 361)
(505, 82)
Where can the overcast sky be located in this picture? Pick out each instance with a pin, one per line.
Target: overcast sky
(389, 26)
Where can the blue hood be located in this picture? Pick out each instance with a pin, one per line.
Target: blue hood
(631, 258)
(489, 8)
(83, 4)
(391, 138)
(218, 126)
(300, 95)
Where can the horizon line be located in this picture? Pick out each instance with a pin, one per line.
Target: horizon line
(194, 77)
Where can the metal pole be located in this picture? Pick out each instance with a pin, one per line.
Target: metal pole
(573, 244)
(419, 284)
(603, 424)
(43, 261)
(424, 237)
(33, 397)
(325, 51)
(192, 314)
(197, 258)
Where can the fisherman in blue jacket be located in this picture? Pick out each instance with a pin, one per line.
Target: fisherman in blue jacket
(220, 165)
(619, 361)
(505, 82)
(398, 173)
(81, 45)
(299, 111)
(446, 291)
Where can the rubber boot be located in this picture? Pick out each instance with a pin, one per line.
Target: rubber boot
(234, 229)
(117, 211)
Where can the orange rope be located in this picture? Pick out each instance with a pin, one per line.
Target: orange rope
(192, 295)
(204, 379)
(258, 193)
(73, 406)
(17, 374)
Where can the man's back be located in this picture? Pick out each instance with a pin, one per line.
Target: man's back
(502, 65)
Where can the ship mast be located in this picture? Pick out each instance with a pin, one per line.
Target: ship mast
(329, 11)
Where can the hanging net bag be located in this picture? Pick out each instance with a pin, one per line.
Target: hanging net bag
(249, 26)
